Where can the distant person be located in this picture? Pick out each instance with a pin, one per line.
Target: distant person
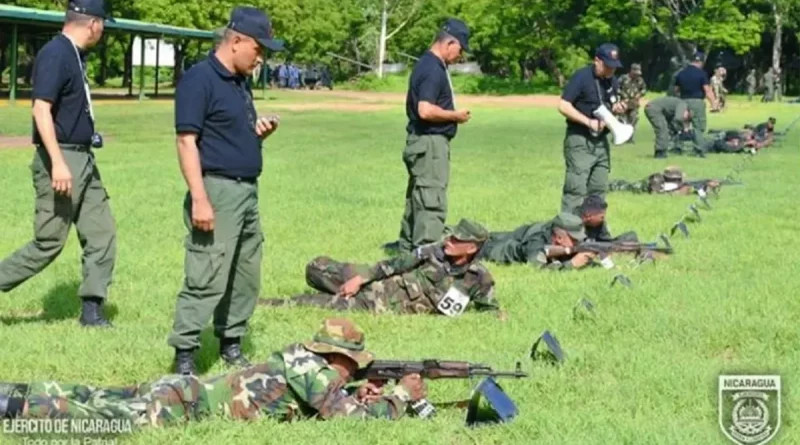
(632, 89)
(65, 175)
(752, 83)
(219, 144)
(693, 86)
(586, 151)
(432, 124)
(768, 83)
(283, 75)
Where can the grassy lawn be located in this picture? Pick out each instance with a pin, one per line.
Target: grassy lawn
(644, 373)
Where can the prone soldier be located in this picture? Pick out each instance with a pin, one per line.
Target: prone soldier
(527, 243)
(303, 380)
(441, 278)
(672, 180)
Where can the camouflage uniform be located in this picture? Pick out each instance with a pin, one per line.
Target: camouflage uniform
(297, 382)
(632, 88)
(731, 141)
(670, 180)
(717, 88)
(751, 84)
(418, 282)
(526, 244)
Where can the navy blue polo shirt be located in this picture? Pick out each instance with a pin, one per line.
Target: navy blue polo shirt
(428, 83)
(58, 79)
(581, 92)
(217, 105)
(691, 81)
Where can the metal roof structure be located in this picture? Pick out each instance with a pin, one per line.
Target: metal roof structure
(22, 20)
(40, 17)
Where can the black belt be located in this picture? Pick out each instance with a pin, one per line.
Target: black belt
(231, 178)
(71, 147)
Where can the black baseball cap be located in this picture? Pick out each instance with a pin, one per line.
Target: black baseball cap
(609, 54)
(94, 8)
(698, 56)
(459, 30)
(254, 23)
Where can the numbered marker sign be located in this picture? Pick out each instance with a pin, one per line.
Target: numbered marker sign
(453, 303)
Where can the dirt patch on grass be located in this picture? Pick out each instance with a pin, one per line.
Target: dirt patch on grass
(532, 100)
(7, 142)
(334, 106)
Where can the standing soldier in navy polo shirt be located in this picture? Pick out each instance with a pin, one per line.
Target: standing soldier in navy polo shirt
(586, 150)
(68, 185)
(432, 123)
(693, 86)
(219, 147)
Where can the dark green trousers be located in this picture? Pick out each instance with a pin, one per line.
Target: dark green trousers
(427, 159)
(661, 127)
(698, 109)
(588, 163)
(54, 214)
(222, 267)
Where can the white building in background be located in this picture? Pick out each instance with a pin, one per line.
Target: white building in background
(166, 53)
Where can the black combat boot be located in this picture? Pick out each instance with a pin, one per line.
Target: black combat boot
(660, 155)
(92, 314)
(184, 362)
(231, 351)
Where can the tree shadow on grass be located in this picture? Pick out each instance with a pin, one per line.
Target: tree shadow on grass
(60, 303)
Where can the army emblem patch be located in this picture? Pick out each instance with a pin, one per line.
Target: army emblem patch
(750, 407)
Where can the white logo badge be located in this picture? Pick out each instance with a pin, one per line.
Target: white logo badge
(453, 303)
(750, 407)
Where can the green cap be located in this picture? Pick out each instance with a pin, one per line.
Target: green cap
(341, 336)
(467, 230)
(673, 173)
(573, 224)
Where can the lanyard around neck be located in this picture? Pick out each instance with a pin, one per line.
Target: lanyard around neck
(84, 77)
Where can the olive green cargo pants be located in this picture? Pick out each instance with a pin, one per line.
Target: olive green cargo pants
(661, 127)
(54, 214)
(698, 109)
(222, 267)
(427, 159)
(588, 162)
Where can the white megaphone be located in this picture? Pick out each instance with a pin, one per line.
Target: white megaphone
(622, 132)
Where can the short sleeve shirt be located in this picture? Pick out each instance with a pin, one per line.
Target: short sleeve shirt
(582, 92)
(217, 105)
(691, 81)
(429, 83)
(58, 79)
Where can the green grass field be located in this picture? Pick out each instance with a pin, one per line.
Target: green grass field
(644, 373)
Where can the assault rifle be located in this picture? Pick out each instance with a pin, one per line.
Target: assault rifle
(606, 248)
(385, 370)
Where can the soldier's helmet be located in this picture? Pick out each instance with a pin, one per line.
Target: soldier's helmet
(467, 230)
(341, 336)
(673, 174)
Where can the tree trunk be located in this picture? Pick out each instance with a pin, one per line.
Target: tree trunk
(553, 67)
(382, 38)
(100, 79)
(127, 73)
(776, 44)
(180, 52)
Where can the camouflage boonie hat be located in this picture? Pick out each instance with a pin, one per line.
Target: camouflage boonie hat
(636, 68)
(467, 230)
(341, 336)
(673, 173)
(573, 224)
